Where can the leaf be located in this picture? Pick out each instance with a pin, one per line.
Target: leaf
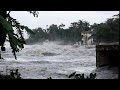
(71, 75)
(5, 24)
(16, 40)
(12, 39)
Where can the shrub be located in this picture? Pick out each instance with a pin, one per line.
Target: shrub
(81, 76)
(13, 74)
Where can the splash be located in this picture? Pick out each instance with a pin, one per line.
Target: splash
(51, 59)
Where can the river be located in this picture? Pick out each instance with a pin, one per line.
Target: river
(51, 59)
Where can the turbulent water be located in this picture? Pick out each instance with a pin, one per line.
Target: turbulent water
(51, 59)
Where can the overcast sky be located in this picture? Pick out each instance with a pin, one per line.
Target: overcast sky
(58, 17)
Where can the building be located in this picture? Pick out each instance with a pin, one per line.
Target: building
(88, 37)
(107, 54)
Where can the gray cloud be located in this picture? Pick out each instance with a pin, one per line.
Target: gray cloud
(58, 17)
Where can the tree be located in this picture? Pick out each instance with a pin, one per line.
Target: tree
(39, 36)
(7, 31)
(108, 31)
(53, 29)
(58, 32)
(77, 27)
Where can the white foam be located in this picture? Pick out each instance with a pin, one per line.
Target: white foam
(32, 63)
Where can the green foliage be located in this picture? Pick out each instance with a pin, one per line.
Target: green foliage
(49, 78)
(38, 36)
(54, 32)
(35, 13)
(16, 40)
(81, 76)
(103, 32)
(71, 75)
(108, 31)
(13, 74)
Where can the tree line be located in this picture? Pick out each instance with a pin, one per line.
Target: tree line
(57, 32)
(103, 32)
(107, 31)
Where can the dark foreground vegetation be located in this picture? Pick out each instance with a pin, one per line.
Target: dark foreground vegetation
(13, 74)
(80, 76)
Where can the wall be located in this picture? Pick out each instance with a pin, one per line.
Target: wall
(107, 55)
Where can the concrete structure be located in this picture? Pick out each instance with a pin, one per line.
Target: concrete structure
(87, 37)
(107, 55)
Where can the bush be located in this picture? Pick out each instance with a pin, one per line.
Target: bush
(49, 78)
(13, 74)
(81, 76)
